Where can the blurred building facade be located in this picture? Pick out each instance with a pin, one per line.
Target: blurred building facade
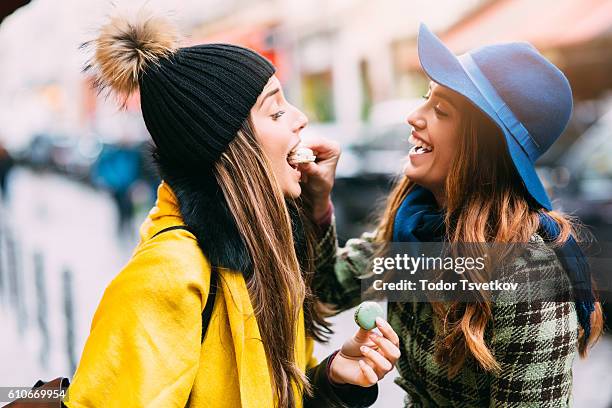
(335, 58)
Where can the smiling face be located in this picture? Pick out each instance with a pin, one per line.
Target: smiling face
(277, 125)
(435, 135)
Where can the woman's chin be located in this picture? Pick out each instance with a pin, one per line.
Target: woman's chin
(417, 176)
(412, 172)
(292, 191)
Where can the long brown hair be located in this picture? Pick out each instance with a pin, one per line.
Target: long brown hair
(279, 286)
(485, 202)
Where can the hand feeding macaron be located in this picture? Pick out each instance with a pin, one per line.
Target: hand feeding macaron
(302, 155)
(366, 314)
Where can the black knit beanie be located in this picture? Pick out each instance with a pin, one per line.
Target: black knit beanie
(193, 99)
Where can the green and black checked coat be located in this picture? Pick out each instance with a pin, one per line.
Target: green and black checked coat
(534, 342)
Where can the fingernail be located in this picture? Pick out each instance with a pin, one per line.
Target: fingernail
(363, 349)
(379, 320)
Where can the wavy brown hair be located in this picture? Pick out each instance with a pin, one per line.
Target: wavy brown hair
(485, 202)
(279, 287)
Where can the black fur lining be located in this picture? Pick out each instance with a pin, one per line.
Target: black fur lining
(206, 213)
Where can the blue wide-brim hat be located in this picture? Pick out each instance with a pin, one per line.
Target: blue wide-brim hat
(528, 97)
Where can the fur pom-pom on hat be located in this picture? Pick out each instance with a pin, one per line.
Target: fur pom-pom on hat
(126, 46)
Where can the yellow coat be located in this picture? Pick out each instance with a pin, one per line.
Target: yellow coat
(144, 346)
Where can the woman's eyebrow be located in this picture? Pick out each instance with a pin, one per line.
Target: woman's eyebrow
(272, 92)
(446, 97)
(440, 94)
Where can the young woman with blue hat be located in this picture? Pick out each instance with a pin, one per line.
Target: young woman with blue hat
(488, 115)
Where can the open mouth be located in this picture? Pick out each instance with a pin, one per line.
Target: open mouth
(298, 155)
(420, 147)
(292, 163)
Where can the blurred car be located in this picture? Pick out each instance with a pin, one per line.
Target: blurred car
(70, 156)
(583, 182)
(583, 178)
(38, 152)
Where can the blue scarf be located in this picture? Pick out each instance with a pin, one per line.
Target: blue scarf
(419, 219)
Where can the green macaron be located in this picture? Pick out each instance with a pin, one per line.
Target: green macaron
(366, 314)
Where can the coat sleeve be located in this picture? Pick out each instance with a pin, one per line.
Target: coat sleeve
(325, 394)
(534, 341)
(339, 270)
(144, 345)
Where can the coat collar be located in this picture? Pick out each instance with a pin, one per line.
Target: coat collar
(201, 207)
(164, 214)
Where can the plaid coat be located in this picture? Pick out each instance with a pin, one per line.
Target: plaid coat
(534, 342)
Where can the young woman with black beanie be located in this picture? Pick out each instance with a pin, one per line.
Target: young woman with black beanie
(227, 221)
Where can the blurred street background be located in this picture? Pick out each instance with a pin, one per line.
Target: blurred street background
(75, 173)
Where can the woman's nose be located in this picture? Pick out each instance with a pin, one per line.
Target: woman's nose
(416, 121)
(301, 121)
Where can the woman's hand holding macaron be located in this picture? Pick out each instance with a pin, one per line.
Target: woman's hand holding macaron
(367, 357)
